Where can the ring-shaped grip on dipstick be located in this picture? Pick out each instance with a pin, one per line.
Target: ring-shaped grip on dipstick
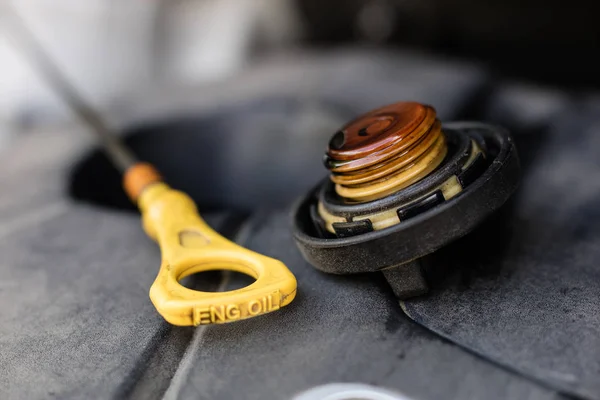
(188, 245)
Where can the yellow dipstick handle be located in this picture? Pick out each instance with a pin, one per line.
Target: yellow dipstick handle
(188, 245)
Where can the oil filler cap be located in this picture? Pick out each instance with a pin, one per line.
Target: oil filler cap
(401, 186)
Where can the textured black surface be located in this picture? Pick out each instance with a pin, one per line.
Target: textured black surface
(528, 295)
(406, 280)
(338, 329)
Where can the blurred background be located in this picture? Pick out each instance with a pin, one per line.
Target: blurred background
(220, 84)
(110, 49)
